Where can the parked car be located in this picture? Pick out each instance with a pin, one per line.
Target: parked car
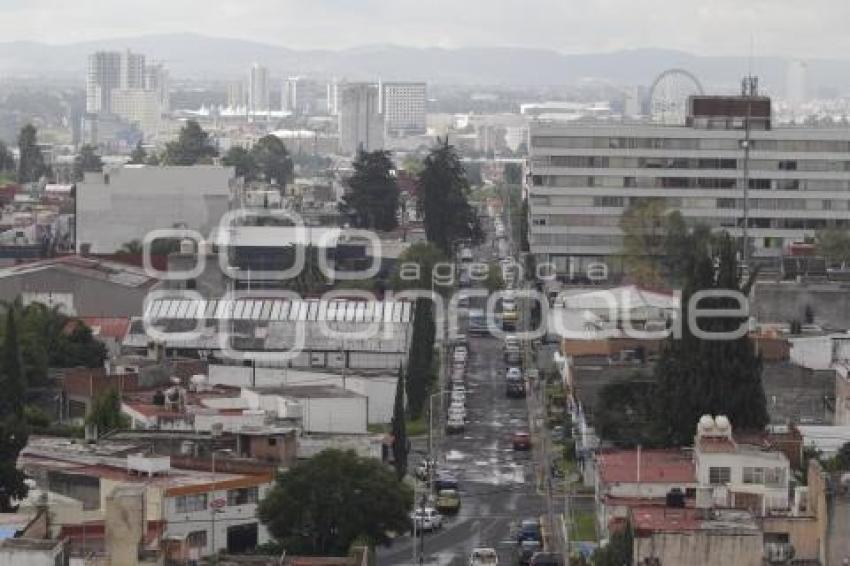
(458, 386)
(427, 519)
(448, 501)
(484, 557)
(529, 529)
(458, 396)
(522, 441)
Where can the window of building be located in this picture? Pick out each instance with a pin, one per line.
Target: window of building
(191, 503)
(787, 165)
(608, 201)
(272, 441)
(727, 203)
(243, 496)
(774, 477)
(537, 180)
(538, 221)
(752, 475)
(719, 475)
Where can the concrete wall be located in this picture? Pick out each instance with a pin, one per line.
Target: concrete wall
(802, 534)
(136, 200)
(339, 415)
(701, 548)
(91, 297)
(784, 302)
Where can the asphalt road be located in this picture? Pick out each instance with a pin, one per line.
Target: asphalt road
(497, 484)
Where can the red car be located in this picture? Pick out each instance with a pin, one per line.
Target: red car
(522, 441)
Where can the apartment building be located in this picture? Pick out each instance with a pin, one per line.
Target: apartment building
(361, 125)
(403, 106)
(583, 176)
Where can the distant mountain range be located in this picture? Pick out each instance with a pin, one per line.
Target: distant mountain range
(199, 57)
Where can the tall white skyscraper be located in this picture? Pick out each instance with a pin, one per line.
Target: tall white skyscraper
(258, 89)
(289, 95)
(333, 97)
(132, 70)
(796, 83)
(361, 125)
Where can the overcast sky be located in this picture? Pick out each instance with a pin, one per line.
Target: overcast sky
(791, 28)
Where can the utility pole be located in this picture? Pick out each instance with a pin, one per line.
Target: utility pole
(749, 88)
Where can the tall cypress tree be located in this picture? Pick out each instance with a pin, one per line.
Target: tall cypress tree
(709, 376)
(13, 429)
(400, 428)
(421, 357)
(31, 166)
(443, 199)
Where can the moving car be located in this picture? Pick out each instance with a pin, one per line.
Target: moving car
(427, 519)
(448, 501)
(477, 322)
(529, 529)
(484, 557)
(513, 373)
(455, 424)
(515, 389)
(525, 550)
(522, 441)
(424, 468)
(445, 481)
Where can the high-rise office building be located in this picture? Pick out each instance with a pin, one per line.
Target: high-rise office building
(236, 94)
(361, 125)
(104, 75)
(140, 107)
(258, 89)
(157, 80)
(332, 96)
(796, 83)
(584, 176)
(403, 107)
(111, 70)
(289, 95)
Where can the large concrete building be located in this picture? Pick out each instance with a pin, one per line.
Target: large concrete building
(110, 70)
(258, 89)
(125, 203)
(403, 106)
(583, 176)
(140, 107)
(361, 125)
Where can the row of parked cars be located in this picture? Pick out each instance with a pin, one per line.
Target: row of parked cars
(456, 420)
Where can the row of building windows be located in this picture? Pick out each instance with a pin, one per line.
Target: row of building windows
(715, 144)
(616, 182)
(200, 501)
(771, 477)
(575, 220)
(603, 162)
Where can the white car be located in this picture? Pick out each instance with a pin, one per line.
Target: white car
(455, 424)
(513, 374)
(427, 519)
(458, 386)
(458, 397)
(484, 557)
(460, 356)
(457, 413)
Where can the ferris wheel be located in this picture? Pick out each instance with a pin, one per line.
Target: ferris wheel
(668, 96)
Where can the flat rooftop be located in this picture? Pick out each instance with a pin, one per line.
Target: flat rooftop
(648, 520)
(309, 392)
(656, 466)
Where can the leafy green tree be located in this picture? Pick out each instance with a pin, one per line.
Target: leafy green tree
(399, 426)
(105, 412)
(372, 198)
(415, 267)
(494, 281)
(192, 146)
(31, 166)
(697, 376)
(311, 279)
(87, 161)
(622, 412)
(420, 364)
(834, 244)
(139, 156)
(133, 247)
(14, 381)
(443, 199)
(618, 552)
(241, 159)
(272, 160)
(512, 173)
(644, 227)
(322, 505)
